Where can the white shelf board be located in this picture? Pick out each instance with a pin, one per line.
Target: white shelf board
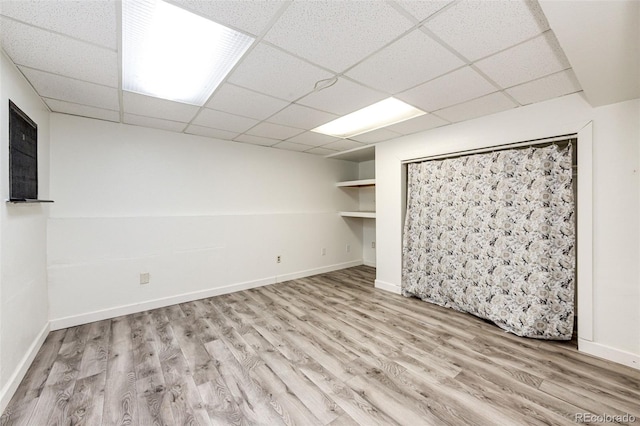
(363, 153)
(356, 183)
(369, 215)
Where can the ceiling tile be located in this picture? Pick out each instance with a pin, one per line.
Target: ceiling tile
(256, 140)
(289, 146)
(92, 21)
(412, 60)
(337, 34)
(274, 131)
(134, 103)
(548, 87)
(485, 105)
(154, 123)
(249, 16)
(421, 9)
(40, 49)
(223, 121)
(479, 28)
(527, 61)
(210, 133)
(240, 101)
(376, 136)
(66, 49)
(82, 110)
(302, 117)
(273, 72)
(70, 90)
(343, 145)
(321, 151)
(418, 124)
(450, 89)
(313, 139)
(343, 97)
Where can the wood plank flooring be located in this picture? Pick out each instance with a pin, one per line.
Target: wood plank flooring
(324, 350)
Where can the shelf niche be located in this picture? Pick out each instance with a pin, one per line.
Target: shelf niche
(365, 191)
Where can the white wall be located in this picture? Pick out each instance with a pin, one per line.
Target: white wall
(616, 215)
(367, 194)
(23, 273)
(616, 211)
(202, 216)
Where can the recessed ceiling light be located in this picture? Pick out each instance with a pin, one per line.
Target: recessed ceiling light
(171, 53)
(381, 114)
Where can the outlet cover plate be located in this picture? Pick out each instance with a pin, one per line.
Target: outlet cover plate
(145, 278)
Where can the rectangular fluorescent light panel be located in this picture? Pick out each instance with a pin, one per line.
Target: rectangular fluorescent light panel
(173, 54)
(381, 114)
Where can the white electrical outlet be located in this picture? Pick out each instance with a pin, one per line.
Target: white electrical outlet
(323, 251)
(348, 248)
(373, 244)
(278, 259)
(145, 278)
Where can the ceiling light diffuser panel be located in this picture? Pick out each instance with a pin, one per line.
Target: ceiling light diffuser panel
(381, 114)
(171, 53)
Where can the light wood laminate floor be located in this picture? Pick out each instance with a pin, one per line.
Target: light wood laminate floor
(325, 350)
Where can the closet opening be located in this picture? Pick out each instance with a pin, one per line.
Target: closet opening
(557, 280)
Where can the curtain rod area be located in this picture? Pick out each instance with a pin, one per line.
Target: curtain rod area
(558, 140)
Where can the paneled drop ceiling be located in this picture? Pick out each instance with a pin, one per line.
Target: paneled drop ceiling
(312, 62)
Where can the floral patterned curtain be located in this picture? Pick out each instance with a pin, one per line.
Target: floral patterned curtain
(492, 234)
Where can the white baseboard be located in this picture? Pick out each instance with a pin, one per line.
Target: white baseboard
(611, 354)
(316, 271)
(369, 263)
(14, 381)
(388, 287)
(74, 320)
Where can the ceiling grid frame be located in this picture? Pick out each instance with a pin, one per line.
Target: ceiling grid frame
(255, 43)
(560, 82)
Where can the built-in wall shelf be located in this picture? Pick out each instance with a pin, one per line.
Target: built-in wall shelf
(356, 183)
(366, 215)
(27, 201)
(361, 193)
